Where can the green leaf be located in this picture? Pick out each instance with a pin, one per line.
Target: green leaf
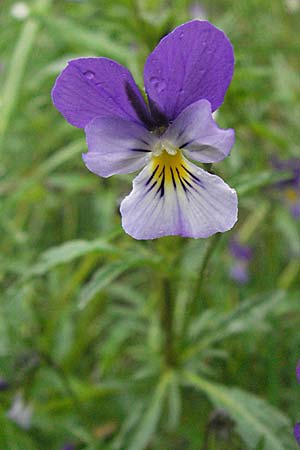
(12, 84)
(12, 437)
(254, 417)
(102, 278)
(250, 182)
(174, 402)
(213, 326)
(77, 35)
(149, 422)
(68, 252)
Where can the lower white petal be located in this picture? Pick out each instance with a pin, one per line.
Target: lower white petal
(172, 196)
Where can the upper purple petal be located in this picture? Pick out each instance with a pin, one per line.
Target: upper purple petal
(193, 62)
(98, 87)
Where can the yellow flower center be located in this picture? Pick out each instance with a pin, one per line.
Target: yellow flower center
(170, 169)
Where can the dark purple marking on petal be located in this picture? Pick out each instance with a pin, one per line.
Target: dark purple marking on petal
(139, 150)
(138, 105)
(152, 175)
(159, 117)
(193, 62)
(196, 179)
(173, 178)
(161, 188)
(181, 180)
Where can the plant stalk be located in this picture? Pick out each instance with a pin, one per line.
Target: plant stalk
(167, 322)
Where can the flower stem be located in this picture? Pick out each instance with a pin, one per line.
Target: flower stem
(167, 321)
(211, 246)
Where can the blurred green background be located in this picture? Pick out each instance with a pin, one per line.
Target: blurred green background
(177, 344)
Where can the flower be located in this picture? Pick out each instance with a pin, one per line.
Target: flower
(242, 255)
(186, 77)
(289, 188)
(4, 384)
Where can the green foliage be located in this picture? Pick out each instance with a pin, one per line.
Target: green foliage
(254, 418)
(124, 345)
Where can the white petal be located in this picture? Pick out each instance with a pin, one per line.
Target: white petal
(175, 197)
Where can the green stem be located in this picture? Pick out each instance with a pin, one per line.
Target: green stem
(211, 247)
(167, 321)
(12, 84)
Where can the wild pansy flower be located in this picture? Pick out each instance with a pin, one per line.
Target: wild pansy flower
(186, 77)
(289, 188)
(297, 426)
(242, 255)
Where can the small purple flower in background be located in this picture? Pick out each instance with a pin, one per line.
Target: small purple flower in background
(242, 255)
(4, 384)
(68, 447)
(297, 426)
(186, 77)
(289, 188)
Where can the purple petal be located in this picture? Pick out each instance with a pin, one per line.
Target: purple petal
(175, 197)
(193, 62)
(297, 432)
(116, 146)
(196, 132)
(298, 371)
(98, 87)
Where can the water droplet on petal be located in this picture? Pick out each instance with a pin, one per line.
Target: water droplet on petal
(89, 74)
(181, 91)
(181, 35)
(159, 85)
(154, 81)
